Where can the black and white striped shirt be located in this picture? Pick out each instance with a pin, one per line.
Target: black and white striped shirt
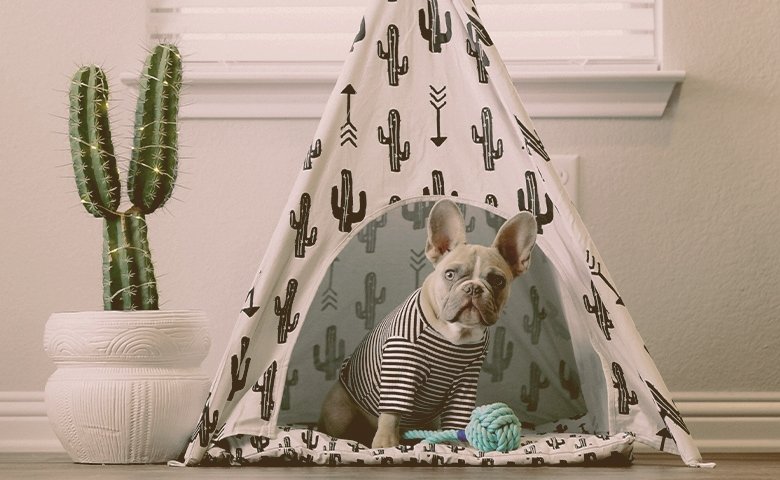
(405, 366)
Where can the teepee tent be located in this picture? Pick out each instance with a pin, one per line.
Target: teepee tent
(425, 108)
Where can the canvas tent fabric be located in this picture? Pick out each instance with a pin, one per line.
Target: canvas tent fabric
(425, 108)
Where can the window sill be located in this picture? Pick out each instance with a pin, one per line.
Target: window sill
(301, 91)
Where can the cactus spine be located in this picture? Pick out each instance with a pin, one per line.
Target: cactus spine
(128, 273)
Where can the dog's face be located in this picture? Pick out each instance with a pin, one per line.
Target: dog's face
(471, 283)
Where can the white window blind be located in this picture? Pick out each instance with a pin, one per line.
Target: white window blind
(532, 35)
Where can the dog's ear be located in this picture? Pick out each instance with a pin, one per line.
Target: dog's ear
(515, 241)
(446, 230)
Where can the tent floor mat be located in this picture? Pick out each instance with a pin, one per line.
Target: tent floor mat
(301, 446)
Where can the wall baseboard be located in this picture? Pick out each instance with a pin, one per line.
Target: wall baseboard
(24, 426)
(719, 421)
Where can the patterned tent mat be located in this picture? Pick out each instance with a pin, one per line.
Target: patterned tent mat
(301, 446)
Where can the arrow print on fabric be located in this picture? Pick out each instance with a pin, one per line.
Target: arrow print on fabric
(349, 130)
(595, 270)
(417, 262)
(532, 141)
(251, 309)
(361, 35)
(330, 298)
(667, 408)
(438, 103)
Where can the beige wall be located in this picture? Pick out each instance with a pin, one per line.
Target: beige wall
(684, 209)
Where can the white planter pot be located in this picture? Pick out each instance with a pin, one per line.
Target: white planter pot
(128, 386)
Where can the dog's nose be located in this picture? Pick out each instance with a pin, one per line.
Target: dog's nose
(472, 289)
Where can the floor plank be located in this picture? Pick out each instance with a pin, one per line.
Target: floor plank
(24, 466)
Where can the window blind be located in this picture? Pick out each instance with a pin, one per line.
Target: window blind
(577, 35)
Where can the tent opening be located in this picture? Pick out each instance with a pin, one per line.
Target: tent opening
(530, 364)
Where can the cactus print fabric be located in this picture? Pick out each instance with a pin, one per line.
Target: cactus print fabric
(425, 108)
(295, 446)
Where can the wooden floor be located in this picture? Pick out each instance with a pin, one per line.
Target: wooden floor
(646, 467)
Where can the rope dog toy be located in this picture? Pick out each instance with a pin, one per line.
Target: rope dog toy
(491, 428)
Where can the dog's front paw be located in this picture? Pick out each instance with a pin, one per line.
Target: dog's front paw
(385, 440)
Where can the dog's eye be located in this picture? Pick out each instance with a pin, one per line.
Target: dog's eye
(449, 274)
(496, 281)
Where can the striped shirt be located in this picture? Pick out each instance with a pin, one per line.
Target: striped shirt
(405, 366)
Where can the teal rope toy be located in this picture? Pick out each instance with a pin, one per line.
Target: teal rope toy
(491, 428)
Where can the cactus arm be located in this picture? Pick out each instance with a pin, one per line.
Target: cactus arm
(360, 312)
(475, 137)
(425, 31)
(447, 35)
(154, 160)
(360, 214)
(92, 150)
(383, 139)
(336, 208)
(380, 51)
(546, 217)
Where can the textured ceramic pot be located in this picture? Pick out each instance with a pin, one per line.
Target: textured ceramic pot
(128, 386)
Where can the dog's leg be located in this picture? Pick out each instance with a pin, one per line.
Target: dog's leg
(387, 431)
(338, 412)
(341, 418)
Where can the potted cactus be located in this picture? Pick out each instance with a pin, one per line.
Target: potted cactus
(128, 386)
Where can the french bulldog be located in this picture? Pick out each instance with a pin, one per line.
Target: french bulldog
(419, 367)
